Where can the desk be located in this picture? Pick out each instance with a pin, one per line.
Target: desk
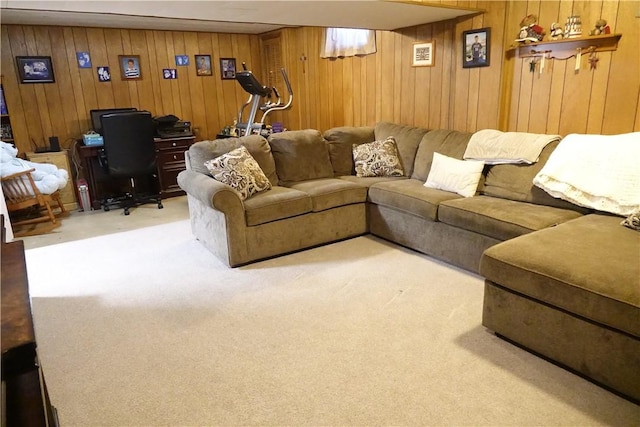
(170, 157)
(24, 392)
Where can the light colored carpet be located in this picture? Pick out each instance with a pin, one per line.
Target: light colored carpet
(145, 327)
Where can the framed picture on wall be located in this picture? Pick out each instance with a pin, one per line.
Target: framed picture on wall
(130, 67)
(203, 65)
(424, 54)
(476, 45)
(35, 69)
(228, 68)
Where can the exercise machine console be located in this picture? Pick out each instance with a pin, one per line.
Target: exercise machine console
(256, 92)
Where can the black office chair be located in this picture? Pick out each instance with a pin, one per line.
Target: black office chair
(129, 152)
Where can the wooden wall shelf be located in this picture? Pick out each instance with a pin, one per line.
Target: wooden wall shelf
(566, 48)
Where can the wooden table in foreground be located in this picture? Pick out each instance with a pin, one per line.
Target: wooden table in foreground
(25, 401)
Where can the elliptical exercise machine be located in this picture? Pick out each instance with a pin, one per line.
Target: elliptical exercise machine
(256, 92)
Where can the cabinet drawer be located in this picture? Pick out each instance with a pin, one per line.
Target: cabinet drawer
(174, 144)
(170, 157)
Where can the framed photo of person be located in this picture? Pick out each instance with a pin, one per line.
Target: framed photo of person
(203, 65)
(228, 68)
(424, 54)
(35, 69)
(130, 67)
(476, 46)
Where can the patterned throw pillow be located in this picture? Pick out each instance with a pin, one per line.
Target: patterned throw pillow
(377, 158)
(239, 170)
(632, 221)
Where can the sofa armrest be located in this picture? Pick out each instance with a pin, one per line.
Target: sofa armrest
(211, 192)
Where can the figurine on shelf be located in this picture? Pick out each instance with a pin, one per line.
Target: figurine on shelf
(530, 31)
(601, 28)
(556, 31)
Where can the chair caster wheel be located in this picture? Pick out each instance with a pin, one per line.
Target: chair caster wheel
(126, 211)
(106, 208)
(160, 206)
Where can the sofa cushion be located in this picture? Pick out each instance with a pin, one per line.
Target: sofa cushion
(277, 203)
(515, 182)
(407, 138)
(458, 176)
(340, 142)
(329, 193)
(411, 196)
(300, 155)
(501, 219)
(240, 171)
(377, 158)
(588, 266)
(368, 181)
(257, 146)
(448, 142)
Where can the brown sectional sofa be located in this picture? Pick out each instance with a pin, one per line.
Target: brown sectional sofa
(561, 280)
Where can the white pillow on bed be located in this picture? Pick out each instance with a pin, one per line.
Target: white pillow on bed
(457, 176)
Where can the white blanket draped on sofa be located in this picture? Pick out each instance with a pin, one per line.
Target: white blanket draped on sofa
(495, 147)
(596, 171)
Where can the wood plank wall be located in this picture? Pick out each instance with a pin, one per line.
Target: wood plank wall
(38, 111)
(351, 91)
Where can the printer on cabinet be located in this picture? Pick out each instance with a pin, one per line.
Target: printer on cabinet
(171, 126)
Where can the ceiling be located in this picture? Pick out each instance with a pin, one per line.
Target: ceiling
(244, 16)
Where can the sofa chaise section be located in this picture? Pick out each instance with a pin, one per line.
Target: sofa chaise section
(572, 294)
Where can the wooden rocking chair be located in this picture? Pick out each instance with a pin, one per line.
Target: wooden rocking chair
(21, 193)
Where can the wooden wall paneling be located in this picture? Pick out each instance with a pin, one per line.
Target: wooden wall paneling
(407, 78)
(422, 76)
(87, 83)
(151, 71)
(450, 67)
(396, 99)
(227, 88)
(371, 104)
(624, 78)
(473, 103)
(119, 88)
(526, 78)
(460, 87)
(558, 71)
(181, 89)
(34, 132)
(387, 77)
(81, 116)
(348, 90)
(134, 95)
(541, 78)
(213, 101)
(11, 91)
(578, 84)
(146, 96)
(159, 59)
(490, 77)
(67, 127)
(195, 94)
(338, 115)
(517, 10)
(33, 35)
(601, 74)
(308, 97)
(98, 52)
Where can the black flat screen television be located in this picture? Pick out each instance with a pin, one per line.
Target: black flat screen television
(96, 124)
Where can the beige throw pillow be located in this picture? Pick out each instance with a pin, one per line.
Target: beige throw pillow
(377, 158)
(239, 170)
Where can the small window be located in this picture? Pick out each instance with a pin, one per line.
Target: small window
(341, 42)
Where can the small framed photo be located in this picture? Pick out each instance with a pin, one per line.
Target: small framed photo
(203, 65)
(130, 67)
(228, 68)
(35, 69)
(424, 54)
(169, 73)
(182, 60)
(84, 60)
(476, 45)
(104, 75)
